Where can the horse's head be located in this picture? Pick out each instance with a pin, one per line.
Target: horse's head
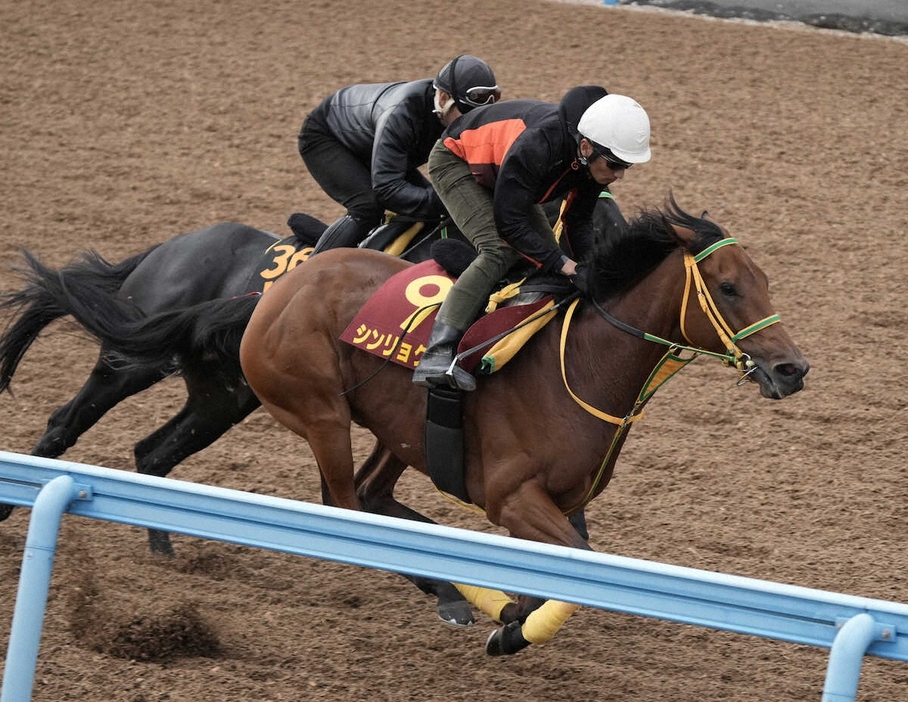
(728, 309)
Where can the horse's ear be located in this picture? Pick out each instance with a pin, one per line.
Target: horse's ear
(683, 233)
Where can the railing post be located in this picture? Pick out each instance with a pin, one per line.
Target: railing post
(34, 582)
(846, 657)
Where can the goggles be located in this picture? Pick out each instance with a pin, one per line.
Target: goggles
(482, 95)
(476, 96)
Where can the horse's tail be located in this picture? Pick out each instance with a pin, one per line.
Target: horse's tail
(206, 330)
(34, 307)
(136, 339)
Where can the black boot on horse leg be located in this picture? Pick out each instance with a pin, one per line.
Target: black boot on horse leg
(506, 641)
(344, 232)
(539, 627)
(436, 366)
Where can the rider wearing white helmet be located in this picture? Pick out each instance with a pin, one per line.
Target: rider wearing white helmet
(492, 170)
(365, 143)
(617, 128)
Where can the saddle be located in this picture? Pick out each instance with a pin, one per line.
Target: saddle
(395, 323)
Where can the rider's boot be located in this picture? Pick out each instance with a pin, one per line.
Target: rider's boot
(436, 367)
(344, 232)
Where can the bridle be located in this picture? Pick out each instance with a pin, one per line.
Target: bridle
(733, 355)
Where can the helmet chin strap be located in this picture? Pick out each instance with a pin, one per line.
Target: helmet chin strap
(442, 111)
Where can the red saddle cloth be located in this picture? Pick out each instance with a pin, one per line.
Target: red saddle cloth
(396, 321)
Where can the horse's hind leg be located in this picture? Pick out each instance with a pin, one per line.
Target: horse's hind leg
(210, 410)
(106, 387)
(375, 481)
(326, 429)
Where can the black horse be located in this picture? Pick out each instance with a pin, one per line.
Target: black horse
(222, 261)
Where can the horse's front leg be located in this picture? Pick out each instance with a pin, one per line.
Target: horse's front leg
(529, 513)
(527, 603)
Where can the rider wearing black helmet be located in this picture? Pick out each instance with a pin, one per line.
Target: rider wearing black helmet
(469, 82)
(365, 143)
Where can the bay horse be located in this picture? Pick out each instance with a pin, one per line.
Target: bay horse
(221, 261)
(669, 287)
(179, 276)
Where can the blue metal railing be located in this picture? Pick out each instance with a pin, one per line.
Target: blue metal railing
(850, 626)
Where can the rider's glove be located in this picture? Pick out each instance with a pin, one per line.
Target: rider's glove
(582, 279)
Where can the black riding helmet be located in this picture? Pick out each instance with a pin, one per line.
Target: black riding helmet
(470, 81)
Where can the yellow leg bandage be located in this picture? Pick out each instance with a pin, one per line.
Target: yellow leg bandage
(544, 623)
(490, 602)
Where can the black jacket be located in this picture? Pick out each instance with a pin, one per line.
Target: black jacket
(392, 127)
(526, 151)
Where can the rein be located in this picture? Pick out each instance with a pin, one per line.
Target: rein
(672, 361)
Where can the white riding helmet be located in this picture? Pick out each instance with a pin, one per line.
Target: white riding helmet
(618, 124)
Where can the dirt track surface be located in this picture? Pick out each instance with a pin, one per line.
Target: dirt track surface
(127, 123)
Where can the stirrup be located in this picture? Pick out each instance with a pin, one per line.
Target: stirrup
(453, 377)
(461, 379)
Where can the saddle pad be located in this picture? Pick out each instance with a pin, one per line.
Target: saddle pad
(285, 255)
(279, 258)
(396, 321)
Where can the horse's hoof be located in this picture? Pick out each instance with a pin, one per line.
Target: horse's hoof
(456, 613)
(5, 511)
(159, 542)
(506, 641)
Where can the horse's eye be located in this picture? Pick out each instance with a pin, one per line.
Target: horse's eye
(728, 289)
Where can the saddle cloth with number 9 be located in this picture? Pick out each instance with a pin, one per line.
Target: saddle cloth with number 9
(396, 321)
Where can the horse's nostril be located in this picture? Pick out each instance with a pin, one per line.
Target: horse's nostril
(791, 370)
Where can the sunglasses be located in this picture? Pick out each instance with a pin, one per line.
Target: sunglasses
(614, 163)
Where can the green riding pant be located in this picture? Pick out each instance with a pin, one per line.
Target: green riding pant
(470, 206)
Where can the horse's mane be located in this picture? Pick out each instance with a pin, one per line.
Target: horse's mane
(625, 255)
